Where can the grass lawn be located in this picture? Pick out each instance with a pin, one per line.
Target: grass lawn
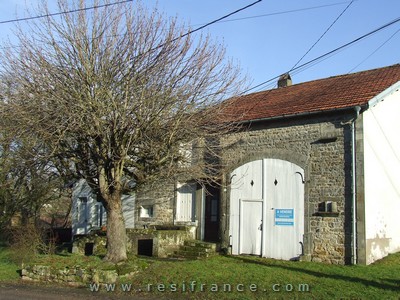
(8, 269)
(244, 277)
(261, 278)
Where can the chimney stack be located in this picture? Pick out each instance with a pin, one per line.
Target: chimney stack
(284, 80)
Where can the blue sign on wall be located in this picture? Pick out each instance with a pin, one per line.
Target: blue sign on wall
(284, 217)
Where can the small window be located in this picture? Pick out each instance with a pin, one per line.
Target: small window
(82, 210)
(146, 211)
(98, 215)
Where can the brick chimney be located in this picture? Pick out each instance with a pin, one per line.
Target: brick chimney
(284, 80)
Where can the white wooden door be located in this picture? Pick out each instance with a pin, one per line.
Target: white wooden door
(186, 203)
(268, 191)
(251, 226)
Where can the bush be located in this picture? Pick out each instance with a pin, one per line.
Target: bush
(28, 241)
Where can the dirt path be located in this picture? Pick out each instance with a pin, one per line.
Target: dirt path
(35, 291)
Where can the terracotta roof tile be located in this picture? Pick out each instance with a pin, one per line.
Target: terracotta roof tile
(326, 94)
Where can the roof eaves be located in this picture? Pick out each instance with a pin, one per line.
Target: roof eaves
(303, 114)
(385, 93)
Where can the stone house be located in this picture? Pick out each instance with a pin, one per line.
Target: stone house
(310, 174)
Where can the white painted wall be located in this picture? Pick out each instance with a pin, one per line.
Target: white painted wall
(85, 217)
(382, 176)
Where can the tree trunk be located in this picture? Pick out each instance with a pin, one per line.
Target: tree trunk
(116, 232)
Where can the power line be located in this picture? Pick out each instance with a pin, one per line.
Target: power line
(161, 45)
(373, 52)
(317, 59)
(201, 27)
(350, 43)
(222, 18)
(308, 51)
(284, 12)
(63, 12)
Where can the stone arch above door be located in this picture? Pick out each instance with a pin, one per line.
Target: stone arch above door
(283, 154)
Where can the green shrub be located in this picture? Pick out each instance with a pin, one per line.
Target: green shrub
(28, 241)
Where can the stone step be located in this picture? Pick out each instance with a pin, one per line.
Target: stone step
(192, 254)
(200, 244)
(196, 249)
(193, 249)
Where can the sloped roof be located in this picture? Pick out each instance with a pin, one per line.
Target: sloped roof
(338, 92)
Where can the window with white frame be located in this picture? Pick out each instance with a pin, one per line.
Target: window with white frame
(98, 215)
(82, 213)
(146, 211)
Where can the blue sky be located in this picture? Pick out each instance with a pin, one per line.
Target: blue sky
(268, 38)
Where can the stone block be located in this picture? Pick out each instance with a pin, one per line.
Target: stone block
(104, 276)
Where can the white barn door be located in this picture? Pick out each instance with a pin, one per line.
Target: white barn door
(267, 209)
(284, 225)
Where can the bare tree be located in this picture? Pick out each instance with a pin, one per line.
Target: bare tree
(26, 184)
(116, 92)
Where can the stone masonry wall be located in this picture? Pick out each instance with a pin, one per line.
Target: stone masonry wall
(165, 242)
(160, 196)
(321, 146)
(75, 276)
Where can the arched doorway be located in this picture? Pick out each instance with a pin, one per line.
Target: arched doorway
(267, 209)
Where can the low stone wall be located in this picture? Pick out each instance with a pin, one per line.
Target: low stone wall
(164, 241)
(75, 276)
(97, 244)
